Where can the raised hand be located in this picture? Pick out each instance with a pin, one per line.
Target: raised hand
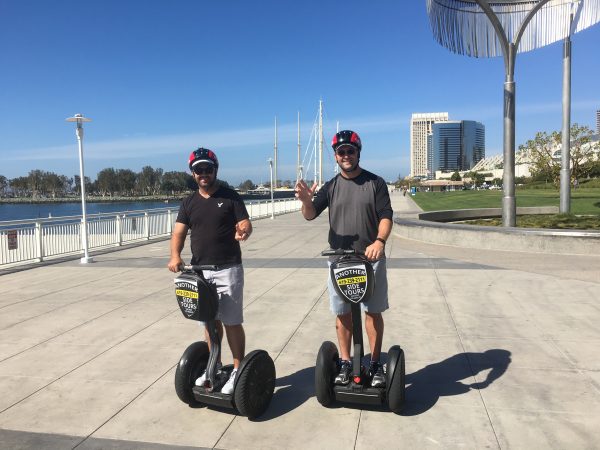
(303, 192)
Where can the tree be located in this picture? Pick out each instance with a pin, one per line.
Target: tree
(52, 183)
(148, 180)
(34, 182)
(19, 186)
(86, 180)
(225, 184)
(476, 178)
(455, 176)
(106, 181)
(173, 182)
(583, 151)
(125, 179)
(545, 160)
(3, 184)
(246, 185)
(592, 167)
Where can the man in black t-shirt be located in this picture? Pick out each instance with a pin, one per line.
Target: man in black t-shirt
(360, 218)
(218, 221)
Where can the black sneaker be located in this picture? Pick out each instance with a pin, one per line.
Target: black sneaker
(345, 371)
(377, 374)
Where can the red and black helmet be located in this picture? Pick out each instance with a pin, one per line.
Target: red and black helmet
(346, 137)
(203, 155)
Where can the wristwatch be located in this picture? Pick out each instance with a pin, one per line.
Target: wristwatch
(382, 240)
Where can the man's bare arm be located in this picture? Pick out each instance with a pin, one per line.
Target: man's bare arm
(177, 241)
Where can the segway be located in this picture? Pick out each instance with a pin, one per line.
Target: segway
(354, 280)
(255, 379)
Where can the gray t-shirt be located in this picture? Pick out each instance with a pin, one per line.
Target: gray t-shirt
(356, 206)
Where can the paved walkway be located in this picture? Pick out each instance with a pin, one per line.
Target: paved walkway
(501, 348)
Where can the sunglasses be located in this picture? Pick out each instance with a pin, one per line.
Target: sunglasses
(204, 170)
(349, 152)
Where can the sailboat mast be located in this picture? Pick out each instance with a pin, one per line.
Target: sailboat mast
(316, 131)
(275, 159)
(298, 163)
(335, 166)
(320, 143)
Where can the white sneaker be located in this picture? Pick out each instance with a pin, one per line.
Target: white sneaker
(200, 380)
(228, 388)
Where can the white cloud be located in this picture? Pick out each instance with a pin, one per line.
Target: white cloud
(132, 147)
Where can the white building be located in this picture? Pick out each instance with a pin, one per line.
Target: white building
(420, 129)
(493, 166)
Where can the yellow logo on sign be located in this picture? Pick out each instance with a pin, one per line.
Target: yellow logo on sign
(351, 280)
(184, 293)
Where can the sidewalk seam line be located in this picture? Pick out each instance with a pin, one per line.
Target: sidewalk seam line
(439, 284)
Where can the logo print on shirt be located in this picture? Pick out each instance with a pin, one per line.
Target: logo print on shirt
(220, 204)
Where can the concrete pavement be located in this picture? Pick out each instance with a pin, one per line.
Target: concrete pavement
(501, 349)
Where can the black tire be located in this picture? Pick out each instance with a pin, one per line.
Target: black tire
(254, 384)
(395, 379)
(191, 365)
(325, 372)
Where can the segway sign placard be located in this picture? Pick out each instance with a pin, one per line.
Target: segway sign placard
(187, 297)
(352, 282)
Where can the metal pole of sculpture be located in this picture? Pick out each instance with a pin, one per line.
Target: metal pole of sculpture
(509, 51)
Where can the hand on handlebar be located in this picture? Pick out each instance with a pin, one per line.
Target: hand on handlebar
(375, 251)
(175, 264)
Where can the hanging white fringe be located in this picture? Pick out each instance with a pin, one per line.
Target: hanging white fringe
(462, 26)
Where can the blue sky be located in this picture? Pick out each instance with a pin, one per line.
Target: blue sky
(160, 78)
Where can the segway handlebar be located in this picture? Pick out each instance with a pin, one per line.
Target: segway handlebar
(197, 267)
(340, 251)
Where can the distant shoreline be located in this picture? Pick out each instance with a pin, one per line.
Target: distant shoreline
(92, 199)
(119, 199)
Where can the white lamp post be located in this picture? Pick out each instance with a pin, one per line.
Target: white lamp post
(272, 204)
(79, 133)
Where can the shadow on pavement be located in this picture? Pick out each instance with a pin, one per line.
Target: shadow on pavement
(292, 391)
(427, 385)
(423, 387)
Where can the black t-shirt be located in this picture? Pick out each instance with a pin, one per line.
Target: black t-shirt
(356, 206)
(212, 221)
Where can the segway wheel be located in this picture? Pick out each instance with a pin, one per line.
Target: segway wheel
(191, 365)
(254, 384)
(325, 371)
(395, 379)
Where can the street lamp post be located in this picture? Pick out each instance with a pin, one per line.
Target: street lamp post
(84, 235)
(272, 204)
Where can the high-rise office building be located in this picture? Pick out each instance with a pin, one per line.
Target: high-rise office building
(598, 121)
(420, 128)
(456, 145)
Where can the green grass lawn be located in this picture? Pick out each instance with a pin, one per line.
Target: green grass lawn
(584, 201)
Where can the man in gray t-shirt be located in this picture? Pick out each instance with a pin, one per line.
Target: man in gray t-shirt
(360, 218)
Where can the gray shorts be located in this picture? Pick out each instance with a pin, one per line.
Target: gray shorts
(230, 288)
(378, 302)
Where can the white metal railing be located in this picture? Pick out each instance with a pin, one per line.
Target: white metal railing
(26, 241)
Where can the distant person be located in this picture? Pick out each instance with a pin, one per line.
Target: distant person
(218, 219)
(360, 218)
(575, 183)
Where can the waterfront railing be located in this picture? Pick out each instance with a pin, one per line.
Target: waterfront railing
(28, 241)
